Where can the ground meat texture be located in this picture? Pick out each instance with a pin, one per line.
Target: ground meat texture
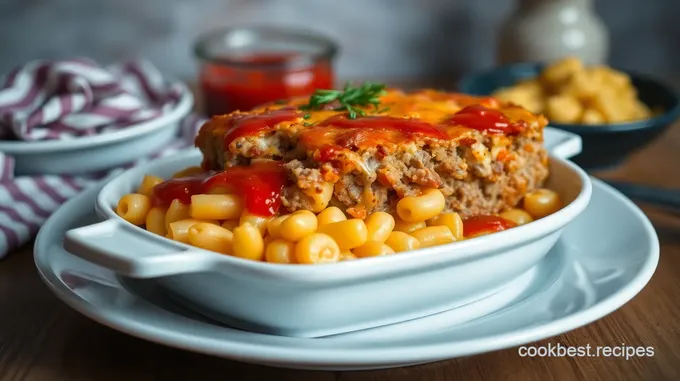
(465, 192)
(470, 186)
(478, 174)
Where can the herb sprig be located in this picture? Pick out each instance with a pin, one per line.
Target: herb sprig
(350, 98)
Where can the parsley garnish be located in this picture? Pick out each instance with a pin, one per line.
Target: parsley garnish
(349, 98)
(306, 116)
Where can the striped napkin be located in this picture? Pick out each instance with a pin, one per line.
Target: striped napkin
(47, 100)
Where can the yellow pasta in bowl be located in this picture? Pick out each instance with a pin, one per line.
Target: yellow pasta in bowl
(221, 223)
(569, 92)
(250, 203)
(614, 111)
(313, 220)
(312, 273)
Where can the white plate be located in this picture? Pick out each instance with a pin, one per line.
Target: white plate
(602, 260)
(98, 152)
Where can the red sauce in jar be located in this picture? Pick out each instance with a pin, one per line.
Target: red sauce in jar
(259, 184)
(479, 225)
(482, 118)
(253, 125)
(259, 79)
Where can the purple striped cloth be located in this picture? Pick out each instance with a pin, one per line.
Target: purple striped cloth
(47, 100)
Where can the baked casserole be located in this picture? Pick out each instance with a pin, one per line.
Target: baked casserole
(483, 155)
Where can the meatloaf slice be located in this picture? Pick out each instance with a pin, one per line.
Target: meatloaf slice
(482, 163)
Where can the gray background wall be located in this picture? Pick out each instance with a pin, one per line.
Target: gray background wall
(380, 38)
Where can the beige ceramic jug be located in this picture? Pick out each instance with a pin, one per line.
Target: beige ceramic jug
(547, 30)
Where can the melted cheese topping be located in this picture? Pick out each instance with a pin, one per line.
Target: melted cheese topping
(425, 116)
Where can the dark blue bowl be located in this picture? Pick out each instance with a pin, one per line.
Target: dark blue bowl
(604, 145)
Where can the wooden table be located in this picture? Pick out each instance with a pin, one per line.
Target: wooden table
(43, 339)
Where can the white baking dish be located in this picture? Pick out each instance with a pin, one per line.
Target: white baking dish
(319, 300)
(99, 152)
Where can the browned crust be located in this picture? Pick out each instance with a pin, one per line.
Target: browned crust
(478, 174)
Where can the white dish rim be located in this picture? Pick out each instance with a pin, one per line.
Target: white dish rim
(341, 355)
(180, 110)
(466, 250)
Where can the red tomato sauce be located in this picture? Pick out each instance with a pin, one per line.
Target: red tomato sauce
(327, 153)
(242, 87)
(482, 118)
(338, 132)
(478, 225)
(406, 127)
(259, 184)
(253, 125)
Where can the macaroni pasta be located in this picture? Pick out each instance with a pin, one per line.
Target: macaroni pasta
(218, 221)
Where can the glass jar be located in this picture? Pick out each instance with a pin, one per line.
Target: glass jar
(548, 30)
(245, 67)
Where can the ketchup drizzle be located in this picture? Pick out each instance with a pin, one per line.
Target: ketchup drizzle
(476, 225)
(482, 118)
(253, 125)
(408, 127)
(259, 184)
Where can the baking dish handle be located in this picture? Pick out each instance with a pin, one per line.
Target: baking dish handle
(561, 143)
(122, 248)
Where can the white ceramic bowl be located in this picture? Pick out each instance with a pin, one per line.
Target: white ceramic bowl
(325, 299)
(98, 152)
